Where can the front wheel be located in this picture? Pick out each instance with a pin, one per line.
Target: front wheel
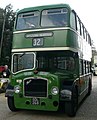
(72, 106)
(10, 101)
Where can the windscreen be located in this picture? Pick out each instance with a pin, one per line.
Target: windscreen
(54, 17)
(22, 61)
(27, 20)
(51, 61)
(47, 18)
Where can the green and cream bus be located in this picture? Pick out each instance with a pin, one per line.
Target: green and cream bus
(51, 60)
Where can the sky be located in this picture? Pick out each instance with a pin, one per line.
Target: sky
(85, 9)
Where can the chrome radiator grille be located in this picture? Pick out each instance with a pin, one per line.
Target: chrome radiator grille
(35, 87)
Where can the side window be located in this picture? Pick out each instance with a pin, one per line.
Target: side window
(84, 67)
(89, 39)
(78, 25)
(87, 67)
(83, 29)
(73, 20)
(85, 35)
(81, 67)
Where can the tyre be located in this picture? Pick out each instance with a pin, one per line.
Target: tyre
(72, 106)
(10, 101)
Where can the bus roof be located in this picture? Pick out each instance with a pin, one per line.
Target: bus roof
(44, 7)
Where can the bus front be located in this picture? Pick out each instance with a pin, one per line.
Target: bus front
(43, 60)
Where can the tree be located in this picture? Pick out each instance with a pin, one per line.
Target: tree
(6, 42)
(1, 21)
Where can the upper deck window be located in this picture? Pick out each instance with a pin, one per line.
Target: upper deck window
(27, 20)
(54, 17)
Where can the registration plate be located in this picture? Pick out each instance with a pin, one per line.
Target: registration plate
(35, 101)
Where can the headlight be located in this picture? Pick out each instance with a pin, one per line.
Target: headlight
(66, 94)
(17, 89)
(55, 90)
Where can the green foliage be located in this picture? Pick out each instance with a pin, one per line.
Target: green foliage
(7, 16)
(1, 21)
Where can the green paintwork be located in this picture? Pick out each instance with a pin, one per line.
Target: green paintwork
(20, 102)
(60, 38)
(66, 37)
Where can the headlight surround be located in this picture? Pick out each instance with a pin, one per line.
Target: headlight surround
(17, 89)
(54, 90)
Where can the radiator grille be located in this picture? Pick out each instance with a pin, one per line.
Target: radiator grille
(35, 87)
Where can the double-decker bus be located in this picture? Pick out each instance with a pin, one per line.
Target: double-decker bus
(51, 60)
